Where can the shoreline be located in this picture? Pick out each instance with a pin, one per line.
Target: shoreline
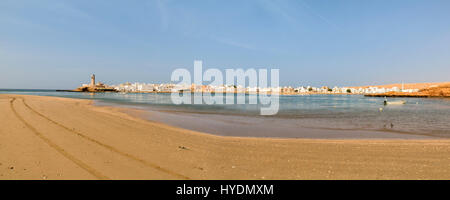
(62, 138)
(240, 125)
(143, 114)
(229, 126)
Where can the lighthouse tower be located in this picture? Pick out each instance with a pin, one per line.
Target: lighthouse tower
(92, 80)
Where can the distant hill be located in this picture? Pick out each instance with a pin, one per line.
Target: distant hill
(427, 90)
(419, 86)
(440, 91)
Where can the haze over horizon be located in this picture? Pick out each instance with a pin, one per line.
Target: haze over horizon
(58, 44)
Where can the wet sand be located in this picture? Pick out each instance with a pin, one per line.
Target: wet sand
(245, 126)
(58, 138)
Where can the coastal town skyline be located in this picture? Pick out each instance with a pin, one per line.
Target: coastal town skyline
(136, 87)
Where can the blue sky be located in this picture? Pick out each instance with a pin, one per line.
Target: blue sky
(59, 43)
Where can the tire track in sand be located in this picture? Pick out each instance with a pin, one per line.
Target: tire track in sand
(72, 158)
(109, 147)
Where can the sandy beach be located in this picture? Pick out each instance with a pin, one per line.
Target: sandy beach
(59, 138)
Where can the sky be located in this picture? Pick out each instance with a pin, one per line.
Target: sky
(58, 44)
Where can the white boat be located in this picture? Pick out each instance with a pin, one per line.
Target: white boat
(395, 102)
(386, 102)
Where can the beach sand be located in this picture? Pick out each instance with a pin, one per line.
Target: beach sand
(59, 138)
